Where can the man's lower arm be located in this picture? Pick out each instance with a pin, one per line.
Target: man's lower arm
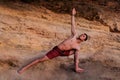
(76, 60)
(76, 65)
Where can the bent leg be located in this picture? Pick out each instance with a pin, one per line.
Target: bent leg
(33, 63)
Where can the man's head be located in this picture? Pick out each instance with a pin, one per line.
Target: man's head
(83, 37)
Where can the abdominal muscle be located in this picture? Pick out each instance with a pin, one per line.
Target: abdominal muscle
(68, 44)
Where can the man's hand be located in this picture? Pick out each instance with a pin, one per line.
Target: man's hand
(73, 11)
(76, 62)
(79, 70)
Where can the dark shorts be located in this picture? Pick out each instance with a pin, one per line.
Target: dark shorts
(57, 52)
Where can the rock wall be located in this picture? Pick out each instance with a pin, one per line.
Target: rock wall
(28, 31)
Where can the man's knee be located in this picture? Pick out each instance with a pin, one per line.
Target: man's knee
(44, 58)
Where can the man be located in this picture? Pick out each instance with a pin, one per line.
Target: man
(67, 47)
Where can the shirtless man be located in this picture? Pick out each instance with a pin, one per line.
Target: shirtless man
(67, 47)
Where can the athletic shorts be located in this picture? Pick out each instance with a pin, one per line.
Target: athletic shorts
(57, 52)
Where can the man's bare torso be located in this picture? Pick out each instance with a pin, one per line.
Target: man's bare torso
(69, 44)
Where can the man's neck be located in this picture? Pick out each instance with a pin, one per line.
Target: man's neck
(79, 40)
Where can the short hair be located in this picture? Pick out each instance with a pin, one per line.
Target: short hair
(86, 36)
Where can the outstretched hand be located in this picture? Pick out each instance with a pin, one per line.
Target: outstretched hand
(79, 70)
(73, 11)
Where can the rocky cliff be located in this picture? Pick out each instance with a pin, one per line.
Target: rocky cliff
(29, 29)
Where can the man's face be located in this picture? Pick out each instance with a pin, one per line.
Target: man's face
(82, 37)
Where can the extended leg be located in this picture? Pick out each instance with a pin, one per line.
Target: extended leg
(33, 63)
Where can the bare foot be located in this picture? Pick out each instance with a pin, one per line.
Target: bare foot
(79, 70)
(20, 71)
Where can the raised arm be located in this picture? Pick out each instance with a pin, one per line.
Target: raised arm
(76, 62)
(73, 31)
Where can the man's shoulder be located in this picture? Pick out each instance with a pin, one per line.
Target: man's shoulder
(77, 48)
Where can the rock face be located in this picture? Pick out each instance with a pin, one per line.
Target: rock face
(28, 31)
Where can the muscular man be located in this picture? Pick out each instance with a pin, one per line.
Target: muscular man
(67, 47)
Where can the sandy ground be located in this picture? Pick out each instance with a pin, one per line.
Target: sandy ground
(59, 69)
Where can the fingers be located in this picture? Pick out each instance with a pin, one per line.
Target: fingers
(79, 71)
(73, 11)
(73, 8)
